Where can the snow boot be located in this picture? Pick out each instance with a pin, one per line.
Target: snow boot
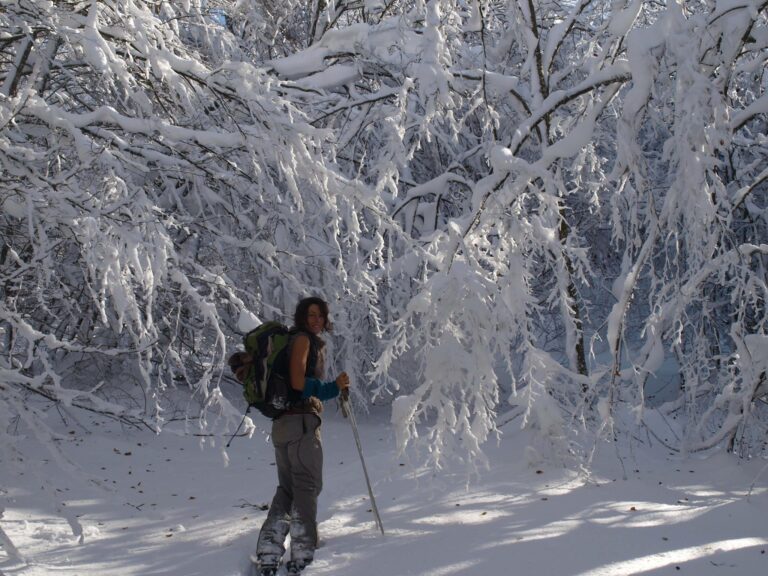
(268, 570)
(295, 566)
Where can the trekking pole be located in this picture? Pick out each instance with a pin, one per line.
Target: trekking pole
(247, 410)
(346, 409)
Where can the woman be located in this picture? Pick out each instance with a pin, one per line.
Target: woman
(298, 448)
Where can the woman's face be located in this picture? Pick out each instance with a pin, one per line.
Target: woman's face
(315, 320)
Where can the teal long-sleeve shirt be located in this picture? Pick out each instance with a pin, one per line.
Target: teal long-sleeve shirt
(321, 390)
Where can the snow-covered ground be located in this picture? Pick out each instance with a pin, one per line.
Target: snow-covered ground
(171, 505)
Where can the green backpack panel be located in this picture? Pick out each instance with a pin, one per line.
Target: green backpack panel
(262, 368)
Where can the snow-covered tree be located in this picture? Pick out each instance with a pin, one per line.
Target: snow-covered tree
(548, 161)
(689, 214)
(158, 193)
(517, 208)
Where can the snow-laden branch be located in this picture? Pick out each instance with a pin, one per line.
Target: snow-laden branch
(758, 108)
(619, 73)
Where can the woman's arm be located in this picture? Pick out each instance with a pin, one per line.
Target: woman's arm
(298, 361)
(307, 385)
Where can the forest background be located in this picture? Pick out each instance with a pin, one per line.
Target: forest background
(546, 212)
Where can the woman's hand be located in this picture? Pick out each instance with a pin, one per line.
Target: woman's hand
(342, 381)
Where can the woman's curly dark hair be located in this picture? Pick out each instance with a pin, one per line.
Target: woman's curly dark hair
(302, 313)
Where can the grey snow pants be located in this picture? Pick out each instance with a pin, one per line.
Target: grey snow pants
(299, 460)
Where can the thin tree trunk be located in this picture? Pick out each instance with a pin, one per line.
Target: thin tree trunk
(11, 84)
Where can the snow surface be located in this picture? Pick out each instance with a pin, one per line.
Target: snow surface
(141, 504)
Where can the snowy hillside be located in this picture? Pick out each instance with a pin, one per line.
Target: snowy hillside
(169, 505)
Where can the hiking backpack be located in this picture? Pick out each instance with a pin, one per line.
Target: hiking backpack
(262, 368)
